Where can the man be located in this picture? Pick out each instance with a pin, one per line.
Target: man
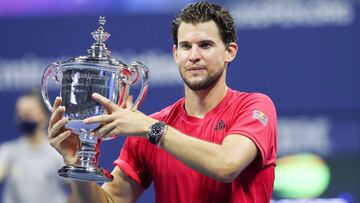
(214, 145)
(28, 164)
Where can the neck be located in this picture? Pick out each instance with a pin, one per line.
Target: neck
(199, 102)
(35, 139)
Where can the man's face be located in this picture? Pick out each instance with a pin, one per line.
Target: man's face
(29, 109)
(201, 54)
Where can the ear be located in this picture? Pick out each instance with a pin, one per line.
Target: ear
(231, 52)
(174, 52)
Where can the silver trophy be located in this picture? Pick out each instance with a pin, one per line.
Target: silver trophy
(79, 78)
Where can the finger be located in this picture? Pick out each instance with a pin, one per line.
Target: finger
(108, 111)
(56, 116)
(57, 103)
(130, 103)
(124, 93)
(105, 102)
(60, 138)
(99, 119)
(56, 127)
(113, 133)
(104, 130)
(123, 104)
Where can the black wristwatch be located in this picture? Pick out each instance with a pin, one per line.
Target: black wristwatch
(156, 131)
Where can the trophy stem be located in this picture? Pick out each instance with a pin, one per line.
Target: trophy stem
(88, 152)
(87, 168)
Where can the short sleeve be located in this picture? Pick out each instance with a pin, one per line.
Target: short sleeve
(256, 119)
(132, 161)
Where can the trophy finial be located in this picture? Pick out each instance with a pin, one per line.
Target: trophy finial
(102, 21)
(98, 49)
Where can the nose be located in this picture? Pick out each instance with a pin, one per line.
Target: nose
(194, 55)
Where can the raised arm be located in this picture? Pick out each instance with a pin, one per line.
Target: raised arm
(121, 189)
(222, 162)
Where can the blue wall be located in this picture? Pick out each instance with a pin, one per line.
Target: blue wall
(309, 71)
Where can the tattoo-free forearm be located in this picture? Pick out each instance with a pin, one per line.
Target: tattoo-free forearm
(89, 192)
(222, 162)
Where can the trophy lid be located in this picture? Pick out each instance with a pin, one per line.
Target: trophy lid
(98, 52)
(99, 49)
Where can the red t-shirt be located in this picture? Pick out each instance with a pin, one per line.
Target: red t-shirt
(249, 114)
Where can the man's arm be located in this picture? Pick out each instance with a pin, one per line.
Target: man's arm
(121, 190)
(222, 162)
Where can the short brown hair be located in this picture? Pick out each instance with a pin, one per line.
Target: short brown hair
(202, 12)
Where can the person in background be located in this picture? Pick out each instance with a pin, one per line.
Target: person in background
(214, 145)
(28, 164)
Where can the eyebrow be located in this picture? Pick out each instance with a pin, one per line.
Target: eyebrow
(208, 41)
(200, 42)
(183, 42)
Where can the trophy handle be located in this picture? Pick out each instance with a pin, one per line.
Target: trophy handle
(51, 71)
(135, 68)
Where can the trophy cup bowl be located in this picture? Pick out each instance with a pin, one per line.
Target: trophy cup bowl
(79, 78)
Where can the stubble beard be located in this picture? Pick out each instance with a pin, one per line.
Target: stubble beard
(206, 82)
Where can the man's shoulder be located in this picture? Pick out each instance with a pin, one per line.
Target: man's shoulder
(240, 97)
(9, 149)
(165, 112)
(13, 144)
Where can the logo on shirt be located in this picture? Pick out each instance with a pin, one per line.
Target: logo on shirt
(220, 125)
(260, 116)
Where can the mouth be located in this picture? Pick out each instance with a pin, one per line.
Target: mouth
(196, 68)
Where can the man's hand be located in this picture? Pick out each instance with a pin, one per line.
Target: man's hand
(122, 119)
(63, 140)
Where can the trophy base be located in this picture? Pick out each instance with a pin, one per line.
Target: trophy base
(80, 173)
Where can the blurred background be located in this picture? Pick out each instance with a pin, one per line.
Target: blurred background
(304, 54)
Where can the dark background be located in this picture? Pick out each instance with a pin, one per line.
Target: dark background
(309, 64)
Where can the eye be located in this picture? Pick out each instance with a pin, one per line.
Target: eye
(205, 45)
(185, 46)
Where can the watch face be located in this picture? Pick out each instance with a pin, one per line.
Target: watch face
(156, 132)
(157, 129)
